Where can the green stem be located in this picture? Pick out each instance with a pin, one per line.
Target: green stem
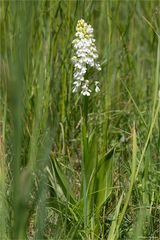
(85, 111)
(84, 157)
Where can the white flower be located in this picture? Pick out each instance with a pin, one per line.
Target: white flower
(98, 67)
(85, 55)
(97, 89)
(85, 89)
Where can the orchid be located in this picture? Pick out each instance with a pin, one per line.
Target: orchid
(85, 56)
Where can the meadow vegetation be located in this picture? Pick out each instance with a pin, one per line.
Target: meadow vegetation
(74, 166)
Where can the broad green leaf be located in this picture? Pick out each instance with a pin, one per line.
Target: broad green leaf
(103, 181)
(62, 180)
(89, 163)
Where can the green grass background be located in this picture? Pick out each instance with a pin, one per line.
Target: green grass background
(41, 139)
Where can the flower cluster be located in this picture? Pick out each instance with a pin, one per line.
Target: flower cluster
(85, 55)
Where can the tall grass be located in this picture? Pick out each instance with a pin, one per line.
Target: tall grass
(73, 167)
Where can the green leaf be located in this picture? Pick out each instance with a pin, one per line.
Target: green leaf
(91, 161)
(112, 230)
(103, 181)
(62, 180)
